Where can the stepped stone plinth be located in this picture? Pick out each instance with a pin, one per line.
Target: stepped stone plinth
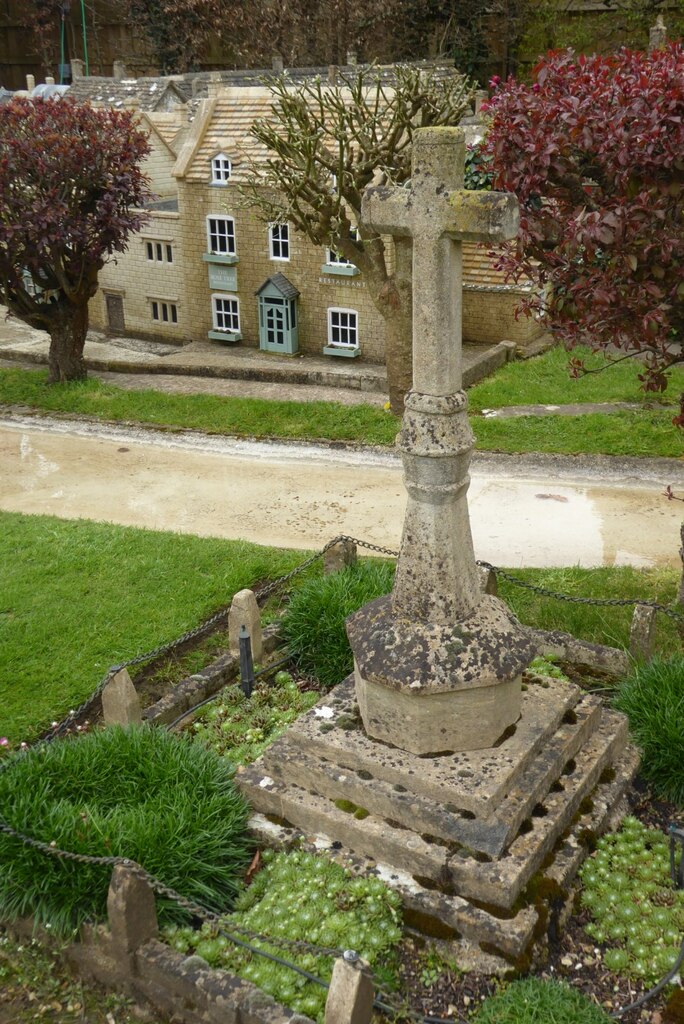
(464, 837)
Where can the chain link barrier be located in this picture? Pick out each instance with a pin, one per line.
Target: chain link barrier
(220, 923)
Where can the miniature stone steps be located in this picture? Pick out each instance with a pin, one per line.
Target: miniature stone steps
(475, 782)
(489, 836)
(498, 883)
(510, 934)
(501, 882)
(430, 910)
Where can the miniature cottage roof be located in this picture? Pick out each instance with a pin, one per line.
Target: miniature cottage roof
(151, 93)
(279, 281)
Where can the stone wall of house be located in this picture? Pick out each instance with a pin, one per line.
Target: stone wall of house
(159, 167)
(319, 291)
(489, 317)
(489, 304)
(137, 286)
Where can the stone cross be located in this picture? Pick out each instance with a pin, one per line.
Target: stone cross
(437, 578)
(438, 214)
(438, 663)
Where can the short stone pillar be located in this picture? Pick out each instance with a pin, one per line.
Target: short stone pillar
(120, 701)
(657, 35)
(131, 911)
(339, 556)
(488, 582)
(642, 632)
(119, 70)
(77, 68)
(277, 64)
(350, 997)
(244, 611)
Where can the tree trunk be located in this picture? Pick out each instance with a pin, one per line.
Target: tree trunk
(67, 338)
(396, 307)
(680, 595)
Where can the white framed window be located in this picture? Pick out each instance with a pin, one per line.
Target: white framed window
(221, 169)
(279, 241)
(336, 259)
(164, 312)
(221, 236)
(343, 328)
(158, 250)
(225, 311)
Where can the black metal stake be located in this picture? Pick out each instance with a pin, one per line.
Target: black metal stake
(676, 836)
(246, 662)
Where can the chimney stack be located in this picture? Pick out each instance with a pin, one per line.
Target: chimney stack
(333, 74)
(119, 70)
(351, 58)
(30, 83)
(277, 64)
(77, 68)
(49, 80)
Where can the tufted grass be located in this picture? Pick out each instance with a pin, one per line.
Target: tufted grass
(139, 792)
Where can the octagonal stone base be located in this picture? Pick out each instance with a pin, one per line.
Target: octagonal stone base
(438, 723)
(432, 689)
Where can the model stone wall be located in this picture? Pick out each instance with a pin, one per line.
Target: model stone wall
(145, 291)
(489, 317)
(489, 304)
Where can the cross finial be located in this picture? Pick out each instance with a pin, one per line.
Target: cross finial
(438, 213)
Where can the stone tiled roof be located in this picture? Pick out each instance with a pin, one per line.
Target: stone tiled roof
(153, 92)
(284, 286)
(150, 93)
(224, 123)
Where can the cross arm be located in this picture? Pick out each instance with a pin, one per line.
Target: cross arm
(387, 210)
(483, 216)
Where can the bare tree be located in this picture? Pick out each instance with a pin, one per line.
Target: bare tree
(326, 144)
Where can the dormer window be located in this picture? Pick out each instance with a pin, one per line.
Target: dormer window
(220, 169)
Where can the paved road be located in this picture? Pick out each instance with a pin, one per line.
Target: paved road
(535, 512)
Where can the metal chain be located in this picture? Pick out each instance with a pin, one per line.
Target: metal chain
(297, 945)
(191, 634)
(608, 602)
(269, 588)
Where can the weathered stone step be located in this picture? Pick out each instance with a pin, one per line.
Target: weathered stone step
(502, 881)
(569, 857)
(498, 883)
(371, 836)
(399, 803)
(475, 781)
(510, 934)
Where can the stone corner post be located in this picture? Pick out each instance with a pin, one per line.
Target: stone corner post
(339, 556)
(244, 611)
(120, 701)
(350, 997)
(131, 911)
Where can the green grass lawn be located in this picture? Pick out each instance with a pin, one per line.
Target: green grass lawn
(78, 597)
(545, 379)
(242, 417)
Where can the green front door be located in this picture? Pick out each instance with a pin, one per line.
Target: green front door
(275, 325)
